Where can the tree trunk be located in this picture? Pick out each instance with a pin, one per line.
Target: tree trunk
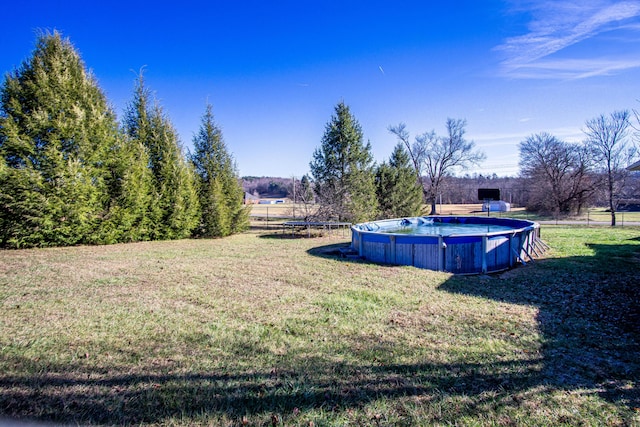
(433, 207)
(612, 206)
(613, 215)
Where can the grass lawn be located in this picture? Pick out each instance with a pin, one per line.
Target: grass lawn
(261, 330)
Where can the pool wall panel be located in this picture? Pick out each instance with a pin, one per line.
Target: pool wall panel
(404, 254)
(463, 257)
(498, 253)
(427, 256)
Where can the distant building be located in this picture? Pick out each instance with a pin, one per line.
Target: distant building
(496, 206)
(271, 201)
(250, 199)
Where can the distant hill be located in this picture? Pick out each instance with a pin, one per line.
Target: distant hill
(267, 187)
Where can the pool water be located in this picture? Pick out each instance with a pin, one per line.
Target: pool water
(444, 229)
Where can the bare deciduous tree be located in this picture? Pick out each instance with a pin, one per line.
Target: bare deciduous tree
(435, 157)
(304, 198)
(560, 173)
(607, 137)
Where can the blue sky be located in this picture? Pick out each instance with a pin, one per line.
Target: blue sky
(274, 70)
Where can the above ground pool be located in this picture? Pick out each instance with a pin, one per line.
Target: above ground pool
(457, 244)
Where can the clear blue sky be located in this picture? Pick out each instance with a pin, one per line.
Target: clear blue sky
(274, 70)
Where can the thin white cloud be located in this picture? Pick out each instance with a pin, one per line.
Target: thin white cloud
(570, 134)
(498, 139)
(574, 68)
(502, 149)
(556, 26)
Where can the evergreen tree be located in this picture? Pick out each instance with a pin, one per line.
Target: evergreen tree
(175, 180)
(399, 194)
(305, 192)
(343, 171)
(131, 192)
(56, 138)
(220, 193)
(174, 210)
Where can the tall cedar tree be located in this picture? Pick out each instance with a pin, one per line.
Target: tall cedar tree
(343, 171)
(131, 190)
(174, 210)
(57, 135)
(399, 194)
(220, 193)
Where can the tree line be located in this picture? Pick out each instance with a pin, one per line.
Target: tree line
(348, 186)
(70, 173)
(556, 177)
(565, 178)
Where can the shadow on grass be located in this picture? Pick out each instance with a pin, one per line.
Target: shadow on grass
(316, 383)
(336, 250)
(588, 320)
(290, 236)
(588, 316)
(315, 234)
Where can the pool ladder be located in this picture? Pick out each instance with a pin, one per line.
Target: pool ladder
(534, 249)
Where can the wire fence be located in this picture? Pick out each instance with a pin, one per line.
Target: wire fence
(271, 217)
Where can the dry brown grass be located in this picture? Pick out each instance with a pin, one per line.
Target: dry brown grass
(287, 210)
(257, 329)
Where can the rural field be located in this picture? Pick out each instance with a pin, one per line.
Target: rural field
(263, 330)
(288, 210)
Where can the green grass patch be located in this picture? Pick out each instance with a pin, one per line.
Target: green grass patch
(261, 330)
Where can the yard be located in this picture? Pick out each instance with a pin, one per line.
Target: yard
(257, 329)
